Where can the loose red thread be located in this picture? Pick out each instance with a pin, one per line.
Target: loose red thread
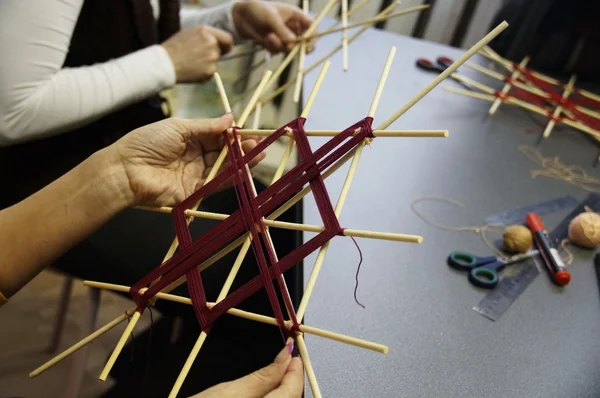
(357, 271)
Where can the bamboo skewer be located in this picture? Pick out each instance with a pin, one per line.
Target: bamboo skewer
(83, 342)
(559, 108)
(345, 189)
(500, 76)
(451, 69)
(515, 75)
(295, 226)
(370, 21)
(310, 373)
(254, 317)
(345, 35)
(284, 87)
(301, 59)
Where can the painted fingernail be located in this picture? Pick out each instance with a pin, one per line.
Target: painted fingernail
(290, 347)
(283, 355)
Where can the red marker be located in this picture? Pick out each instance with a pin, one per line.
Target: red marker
(551, 257)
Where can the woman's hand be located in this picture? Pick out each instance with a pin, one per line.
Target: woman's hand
(273, 25)
(196, 51)
(163, 163)
(284, 378)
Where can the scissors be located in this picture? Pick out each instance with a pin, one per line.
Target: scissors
(483, 271)
(441, 64)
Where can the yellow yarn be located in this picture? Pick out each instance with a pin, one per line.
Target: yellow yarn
(584, 230)
(517, 239)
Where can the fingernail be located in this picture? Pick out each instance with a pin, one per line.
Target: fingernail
(231, 113)
(290, 347)
(284, 354)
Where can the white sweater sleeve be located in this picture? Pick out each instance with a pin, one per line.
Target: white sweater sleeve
(39, 98)
(219, 17)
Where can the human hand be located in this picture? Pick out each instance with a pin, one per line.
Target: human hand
(196, 51)
(273, 25)
(163, 163)
(284, 378)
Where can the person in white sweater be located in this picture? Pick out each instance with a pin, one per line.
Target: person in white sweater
(40, 98)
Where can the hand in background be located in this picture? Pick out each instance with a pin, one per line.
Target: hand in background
(163, 163)
(196, 51)
(273, 25)
(284, 378)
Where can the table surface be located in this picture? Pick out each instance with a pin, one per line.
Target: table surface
(546, 344)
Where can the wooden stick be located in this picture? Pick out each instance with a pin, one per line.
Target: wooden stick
(301, 58)
(119, 347)
(526, 105)
(451, 69)
(257, 114)
(474, 83)
(384, 75)
(357, 233)
(326, 57)
(559, 108)
(188, 365)
(345, 35)
(376, 133)
(254, 317)
(366, 27)
(500, 76)
(310, 372)
(370, 21)
(515, 75)
(323, 250)
(82, 343)
(298, 88)
(254, 99)
(315, 90)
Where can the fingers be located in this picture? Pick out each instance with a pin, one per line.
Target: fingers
(300, 19)
(281, 30)
(196, 129)
(249, 145)
(224, 39)
(292, 384)
(265, 380)
(273, 43)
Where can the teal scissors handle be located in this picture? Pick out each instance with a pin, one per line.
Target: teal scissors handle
(483, 271)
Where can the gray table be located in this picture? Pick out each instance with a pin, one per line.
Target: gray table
(546, 345)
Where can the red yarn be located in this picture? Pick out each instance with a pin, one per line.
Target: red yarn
(249, 219)
(554, 98)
